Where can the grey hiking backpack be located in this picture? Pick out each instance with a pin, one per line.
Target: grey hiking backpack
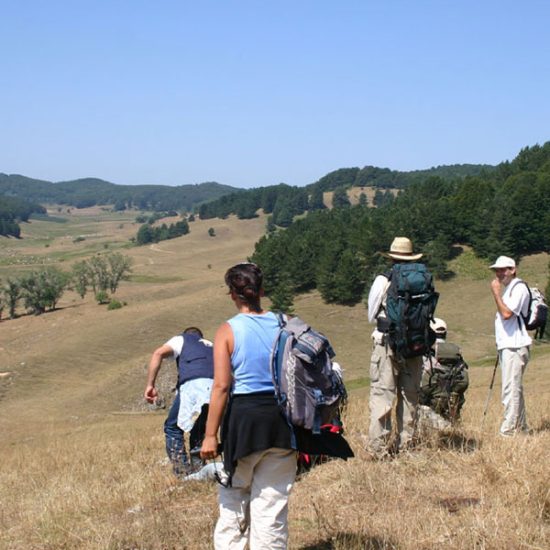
(537, 311)
(309, 391)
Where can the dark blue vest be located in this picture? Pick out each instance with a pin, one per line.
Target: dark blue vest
(196, 359)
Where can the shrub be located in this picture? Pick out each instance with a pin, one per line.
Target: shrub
(114, 304)
(102, 297)
(43, 289)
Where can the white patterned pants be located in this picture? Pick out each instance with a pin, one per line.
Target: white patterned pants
(254, 510)
(513, 362)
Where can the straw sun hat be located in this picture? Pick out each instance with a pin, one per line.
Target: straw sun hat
(402, 249)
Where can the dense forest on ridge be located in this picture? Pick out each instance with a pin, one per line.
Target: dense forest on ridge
(211, 199)
(502, 211)
(87, 192)
(283, 202)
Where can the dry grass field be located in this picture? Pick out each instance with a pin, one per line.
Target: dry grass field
(82, 459)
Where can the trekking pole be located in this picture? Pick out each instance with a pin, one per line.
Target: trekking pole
(489, 395)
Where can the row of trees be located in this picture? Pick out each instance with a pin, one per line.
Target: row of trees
(101, 273)
(41, 289)
(506, 211)
(13, 211)
(282, 201)
(148, 234)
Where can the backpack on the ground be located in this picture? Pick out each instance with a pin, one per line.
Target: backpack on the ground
(410, 306)
(448, 354)
(452, 368)
(444, 384)
(309, 391)
(537, 312)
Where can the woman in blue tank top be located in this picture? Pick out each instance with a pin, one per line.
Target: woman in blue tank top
(255, 436)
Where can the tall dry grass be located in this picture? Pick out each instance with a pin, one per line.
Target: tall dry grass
(75, 475)
(104, 486)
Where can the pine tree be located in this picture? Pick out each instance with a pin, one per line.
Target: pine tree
(316, 199)
(340, 198)
(144, 234)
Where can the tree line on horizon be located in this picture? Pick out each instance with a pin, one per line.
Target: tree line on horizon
(337, 251)
(86, 192)
(283, 202)
(210, 199)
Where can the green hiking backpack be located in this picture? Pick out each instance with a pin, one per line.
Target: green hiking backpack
(410, 306)
(443, 386)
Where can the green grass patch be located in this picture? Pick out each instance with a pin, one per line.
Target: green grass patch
(46, 218)
(153, 279)
(467, 264)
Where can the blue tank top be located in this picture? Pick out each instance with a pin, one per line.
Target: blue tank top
(253, 337)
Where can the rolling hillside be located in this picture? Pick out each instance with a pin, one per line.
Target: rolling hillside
(86, 192)
(81, 456)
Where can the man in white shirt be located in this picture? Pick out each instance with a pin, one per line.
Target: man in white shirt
(395, 384)
(512, 340)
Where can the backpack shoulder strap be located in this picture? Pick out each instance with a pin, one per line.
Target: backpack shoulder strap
(521, 317)
(282, 319)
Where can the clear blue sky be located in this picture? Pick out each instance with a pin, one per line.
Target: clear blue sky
(253, 93)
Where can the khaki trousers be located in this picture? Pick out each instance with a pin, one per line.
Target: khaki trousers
(394, 385)
(254, 510)
(513, 363)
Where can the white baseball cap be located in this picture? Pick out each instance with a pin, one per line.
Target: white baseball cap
(503, 261)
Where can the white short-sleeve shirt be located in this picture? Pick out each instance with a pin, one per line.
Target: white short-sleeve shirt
(511, 333)
(176, 343)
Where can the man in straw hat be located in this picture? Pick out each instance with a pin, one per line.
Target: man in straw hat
(513, 341)
(395, 381)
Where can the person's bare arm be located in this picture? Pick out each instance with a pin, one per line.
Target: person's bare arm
(155, 363)
(502, 308)
(223, 347)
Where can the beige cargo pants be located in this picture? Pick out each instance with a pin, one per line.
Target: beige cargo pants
(254, 511)
(513, 363)
(394, 389)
